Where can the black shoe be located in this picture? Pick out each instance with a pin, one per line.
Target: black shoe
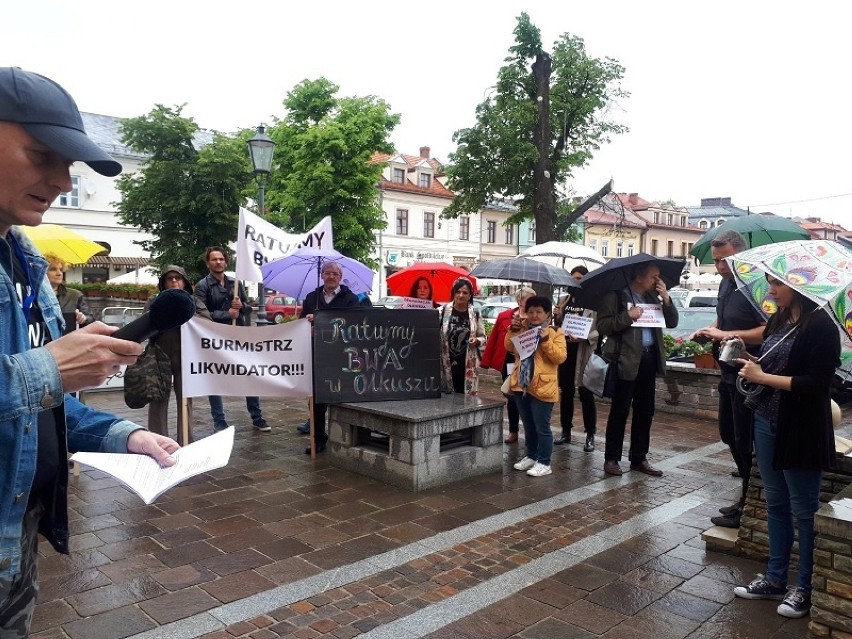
(320, 449)
(219, 427)
(730, 510)
(589, 446)
(261, 426)
(565, 439)
(727, 521)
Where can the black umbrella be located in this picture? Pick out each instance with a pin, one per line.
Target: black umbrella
(616, 274)
(523, 269)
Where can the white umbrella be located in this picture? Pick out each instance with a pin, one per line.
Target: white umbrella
(565, 255)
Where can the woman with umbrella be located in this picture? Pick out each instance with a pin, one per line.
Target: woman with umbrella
(71, 301)
(462, 335)
(638, 354)
(421, 289)
(793, 437)
(498, 358)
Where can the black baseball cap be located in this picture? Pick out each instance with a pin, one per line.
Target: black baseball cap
(51, 116)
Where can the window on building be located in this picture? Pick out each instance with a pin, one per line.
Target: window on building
(402, 221)
(605, 248)
(683, 249)
(631, 249)
(670, 219)
(655, 247)
(426, 180)
(703, 225)
(398, 176)
(510, 234)
(464, 227)
(683, 220)
(619, 248)
(689, 247)
(428, 224)
(532, 233)
(670, 248)
(71, 200)
(656, 217)
(720, 221)
(491, 232)
(593, 244)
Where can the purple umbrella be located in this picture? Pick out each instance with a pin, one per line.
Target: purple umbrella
(298, 273)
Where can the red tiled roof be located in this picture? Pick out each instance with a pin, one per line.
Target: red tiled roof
(594, 216)
(634, 204)
(437, 189)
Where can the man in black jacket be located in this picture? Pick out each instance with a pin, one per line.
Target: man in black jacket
(332, 294)
(217, 302)
(735, 317)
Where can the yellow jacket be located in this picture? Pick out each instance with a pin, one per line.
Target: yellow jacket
(550, 353)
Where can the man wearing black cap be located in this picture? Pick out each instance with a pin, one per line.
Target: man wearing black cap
(41, 134)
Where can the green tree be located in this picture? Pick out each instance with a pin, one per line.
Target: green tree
(547, 116)
(186, 195)
(322, 164)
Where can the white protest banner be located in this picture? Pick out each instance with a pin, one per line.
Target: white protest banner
(259, 242)
(577, 326)
(415, 302)
(652, 316)
(240, 361)
(526, 342)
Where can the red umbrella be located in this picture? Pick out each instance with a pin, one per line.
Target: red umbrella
(440, 275)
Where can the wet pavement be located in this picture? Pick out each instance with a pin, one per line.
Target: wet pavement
(277, 545)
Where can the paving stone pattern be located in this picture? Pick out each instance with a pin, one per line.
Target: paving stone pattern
(275, 545)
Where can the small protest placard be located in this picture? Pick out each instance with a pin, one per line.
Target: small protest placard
(652, 316)
(577, 326)
(526, 342)
(415, 302)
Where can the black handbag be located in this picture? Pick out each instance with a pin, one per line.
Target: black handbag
(149, 379)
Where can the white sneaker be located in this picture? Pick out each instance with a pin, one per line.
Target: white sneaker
(539, 470)
(525, 464)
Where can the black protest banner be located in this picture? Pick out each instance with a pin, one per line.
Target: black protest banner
(371, 354)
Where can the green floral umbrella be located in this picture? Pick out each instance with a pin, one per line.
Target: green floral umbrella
(757, 229)
(818, 269)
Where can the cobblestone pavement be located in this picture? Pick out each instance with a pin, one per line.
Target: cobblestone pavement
(277, 545)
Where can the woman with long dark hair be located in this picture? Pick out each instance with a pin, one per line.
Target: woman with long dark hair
(462, 335)
(793, 437)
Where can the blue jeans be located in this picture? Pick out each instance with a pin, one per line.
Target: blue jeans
(788, 493)
(217, 411)
(536, 417)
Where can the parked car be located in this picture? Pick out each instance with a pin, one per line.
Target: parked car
(690, 320)
(499, 299)
(390, 301)
(683, 298)
(491, 311)
(279, 307)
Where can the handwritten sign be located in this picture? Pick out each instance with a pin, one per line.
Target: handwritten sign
(373, 354)
(526, 342)
(652, 316)
(577, 326)
(415, 302)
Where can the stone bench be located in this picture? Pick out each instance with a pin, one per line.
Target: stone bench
(418, 444)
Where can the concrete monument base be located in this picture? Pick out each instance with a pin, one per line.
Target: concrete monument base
(418, 444)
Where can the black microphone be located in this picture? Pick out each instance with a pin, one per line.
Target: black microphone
(170, 309)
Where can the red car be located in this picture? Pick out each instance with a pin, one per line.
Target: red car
(279, 307)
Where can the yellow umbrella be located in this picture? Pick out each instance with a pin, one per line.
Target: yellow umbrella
(69, 246)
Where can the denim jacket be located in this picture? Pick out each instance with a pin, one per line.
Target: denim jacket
(30, 383)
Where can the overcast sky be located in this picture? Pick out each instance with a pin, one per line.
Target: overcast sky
(740, 99)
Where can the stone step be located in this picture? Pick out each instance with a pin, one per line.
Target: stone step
(719, 538)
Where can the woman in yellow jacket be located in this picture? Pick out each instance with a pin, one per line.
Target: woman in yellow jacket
(534, 381)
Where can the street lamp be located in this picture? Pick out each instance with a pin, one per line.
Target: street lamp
(261, 147)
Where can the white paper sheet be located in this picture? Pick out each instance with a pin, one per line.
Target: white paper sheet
(146, 478)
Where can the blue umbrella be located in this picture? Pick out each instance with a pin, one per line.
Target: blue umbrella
(298, 273)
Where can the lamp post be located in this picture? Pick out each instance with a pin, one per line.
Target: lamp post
(261, 148)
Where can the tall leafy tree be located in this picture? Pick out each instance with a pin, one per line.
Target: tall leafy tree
(322, 164)
(187, 193)
(547, 115)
